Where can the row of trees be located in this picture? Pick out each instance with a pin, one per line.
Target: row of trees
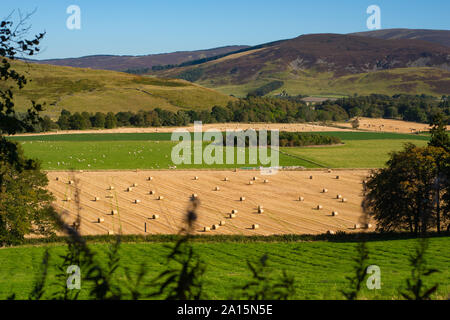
(280, 109)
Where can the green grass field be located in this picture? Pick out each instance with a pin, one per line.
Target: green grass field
(320, 268)
(153, 151)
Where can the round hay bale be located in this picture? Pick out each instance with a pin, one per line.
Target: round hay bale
(334, 213)
(206, 229)
(338, 196)
(234, 211)
(232, 216)
(129, 189)
(222, 223)
(109, 196)
(357, 226)
(57, 178)
(137, 201)
(324, 190)
(135, 185)
(368, 226)
(110, 233)
(217, 188)
(260, 210)
(329, 171)
(260, 207)
(111, 188)
(301, 199)
(71, 182)
(255, 178)
(195, 178)
(226, 179)
(194, 196)
(114, 212)
(250, 183)
(242, 198)
(330, 232)
(319, 207)
(68, 199)
(152, 192)
(310, 177)
(344, 200)
(215, 226)
(266, 180)
(149, 178)
(160, 197)
(255, 226)
(96, 199)
(155, 216)
(100, 220)
(337, 177)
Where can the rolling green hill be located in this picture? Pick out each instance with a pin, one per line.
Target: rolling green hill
(77, 89)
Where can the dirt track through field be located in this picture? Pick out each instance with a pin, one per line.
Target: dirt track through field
(283, 213)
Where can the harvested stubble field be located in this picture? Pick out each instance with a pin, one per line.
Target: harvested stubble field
(389, 125)
(279, 199)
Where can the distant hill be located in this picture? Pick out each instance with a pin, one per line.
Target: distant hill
(122, 63)
(324, 63)
(441, 37)
(78, 89)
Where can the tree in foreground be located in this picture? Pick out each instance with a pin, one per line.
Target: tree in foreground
(404, 195)
(25, 204)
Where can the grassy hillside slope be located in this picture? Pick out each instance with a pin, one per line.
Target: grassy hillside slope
(77, 89)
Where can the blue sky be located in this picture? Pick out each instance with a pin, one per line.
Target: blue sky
(135, 27)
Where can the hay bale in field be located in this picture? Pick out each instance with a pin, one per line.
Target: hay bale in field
(111, 188)
(367, 226)
(151, 192)
(344, 200)
(195, 178)
(129, 189)
(100, 220)
(149, 178)
(334, 213)
(234, 211)
(337, 177)
(255, 226)
(301, 199)
(250, 183)
(319, 207)
(330, 232)
(206, 229)
(97, 199)
(110, 233)
(261, 210)
(324, 190)
(68, 199)
(217, 188)
(215, 226)
(135, 185)
(310, 177)
(57, 178)
(160, 197)
(329, 171)
(155, 216)
(357, 226)
(260, 207)
(226, 179)
(194, 196)
(109, 196)
(338, 196)
(232, 215)
(266, 180)
(242, 198)
(137, 201)
(114, 212)
(71, 182)
(255, 178)
(222, 223)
